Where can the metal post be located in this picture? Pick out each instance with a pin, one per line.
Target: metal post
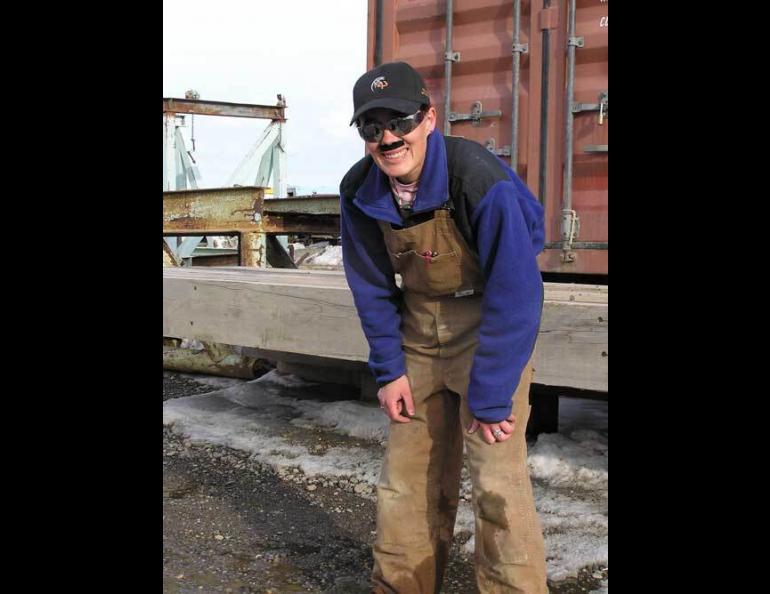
(253, 249)
(544, 86)
(448, 59)
(378, 34)
(280, 182)
(569, 220)
(169, 155)
(169, 166)
(280, 173)
(517, 50)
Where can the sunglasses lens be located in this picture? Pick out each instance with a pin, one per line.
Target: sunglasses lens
(371, 132)
(401, 127)
(406, 125)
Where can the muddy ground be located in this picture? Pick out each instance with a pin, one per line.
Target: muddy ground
(232, 525)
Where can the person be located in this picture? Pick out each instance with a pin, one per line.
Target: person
(451, 348)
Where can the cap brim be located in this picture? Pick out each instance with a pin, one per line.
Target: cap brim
(405, 106)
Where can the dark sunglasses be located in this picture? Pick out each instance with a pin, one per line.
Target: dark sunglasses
(373, 131)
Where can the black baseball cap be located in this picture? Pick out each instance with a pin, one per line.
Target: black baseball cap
(394, 85)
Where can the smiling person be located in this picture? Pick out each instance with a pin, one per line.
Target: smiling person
(451, 349)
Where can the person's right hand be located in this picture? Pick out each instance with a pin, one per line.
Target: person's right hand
(396, 398)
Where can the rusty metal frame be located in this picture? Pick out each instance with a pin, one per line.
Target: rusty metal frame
(209, 211)
(245, 212)
(315, 204)
(223, 210)
(222, 108)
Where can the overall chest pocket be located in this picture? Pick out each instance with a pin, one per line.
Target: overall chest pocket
(425, 257)
(430, 272)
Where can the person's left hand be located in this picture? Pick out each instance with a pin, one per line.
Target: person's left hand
(494, 432)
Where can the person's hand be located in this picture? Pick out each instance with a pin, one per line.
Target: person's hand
(494, 432)
(396, 398)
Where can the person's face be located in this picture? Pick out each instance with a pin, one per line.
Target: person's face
(400, 157)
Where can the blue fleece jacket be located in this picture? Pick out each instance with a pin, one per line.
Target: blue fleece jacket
(502, 222)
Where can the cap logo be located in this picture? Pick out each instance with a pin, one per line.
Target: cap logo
(378, 83)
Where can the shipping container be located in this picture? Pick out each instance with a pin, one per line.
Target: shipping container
(560, 136)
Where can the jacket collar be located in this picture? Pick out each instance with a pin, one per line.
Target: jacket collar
(374, 195)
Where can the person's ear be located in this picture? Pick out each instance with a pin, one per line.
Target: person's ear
(431, 116)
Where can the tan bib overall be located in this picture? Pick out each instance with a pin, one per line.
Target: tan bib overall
(418, 491)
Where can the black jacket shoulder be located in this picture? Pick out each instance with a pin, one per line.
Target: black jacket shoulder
(472, 169)
(355, 177)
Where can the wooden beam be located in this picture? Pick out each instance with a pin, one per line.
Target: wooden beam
(312, 313)
(312, 317)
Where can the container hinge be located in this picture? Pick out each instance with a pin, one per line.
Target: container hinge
(503, 151)
(451, 56)
(520, 48)
(475, 115)
(576, 41)
(570, 228)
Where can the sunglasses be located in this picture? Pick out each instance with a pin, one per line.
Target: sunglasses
(373, 131)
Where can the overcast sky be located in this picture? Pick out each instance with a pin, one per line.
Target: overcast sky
(248, 52)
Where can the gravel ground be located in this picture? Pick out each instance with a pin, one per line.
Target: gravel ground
(178, 386)
(232, 525)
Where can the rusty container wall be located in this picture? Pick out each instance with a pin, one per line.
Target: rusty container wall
(415, 31)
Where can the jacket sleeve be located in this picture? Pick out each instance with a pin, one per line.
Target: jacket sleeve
(508, 226)
(371, 279)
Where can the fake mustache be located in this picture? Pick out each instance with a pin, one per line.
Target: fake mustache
(389, 147)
